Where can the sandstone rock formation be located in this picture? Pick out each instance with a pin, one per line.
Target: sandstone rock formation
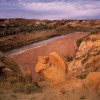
(53, 68)
(88, 56)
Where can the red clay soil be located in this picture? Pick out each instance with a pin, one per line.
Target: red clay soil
(65, 47)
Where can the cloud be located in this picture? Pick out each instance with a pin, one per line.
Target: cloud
(51, 9)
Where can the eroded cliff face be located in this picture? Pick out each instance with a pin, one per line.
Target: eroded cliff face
(87, 58)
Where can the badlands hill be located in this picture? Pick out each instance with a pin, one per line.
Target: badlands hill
(18, 32)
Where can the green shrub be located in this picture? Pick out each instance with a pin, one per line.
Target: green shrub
(26, 88)
(32, 88)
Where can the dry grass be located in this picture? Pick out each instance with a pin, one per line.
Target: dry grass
(19, 84)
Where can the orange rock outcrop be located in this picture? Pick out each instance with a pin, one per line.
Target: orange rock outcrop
(53, 68)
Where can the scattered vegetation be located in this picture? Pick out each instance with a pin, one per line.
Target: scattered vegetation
(26, 88)
(20, 85)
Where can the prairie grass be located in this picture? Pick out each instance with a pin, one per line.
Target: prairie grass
(19, 84)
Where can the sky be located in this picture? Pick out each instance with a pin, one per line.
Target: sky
(50, 9)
